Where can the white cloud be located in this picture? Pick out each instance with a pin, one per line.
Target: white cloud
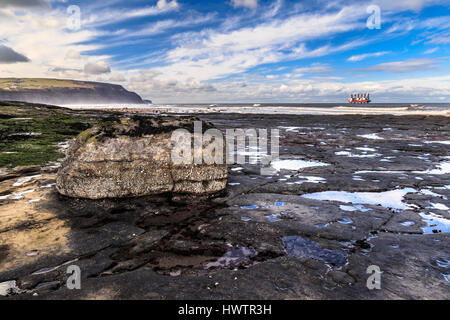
(389, 6)
(97, 68)
(251, 4)
(189, 71)
(293, 90)
(117, 78)
(432, 50)
(105, 17)
(440, 40)
(417, 64)
(213, 54)
(360, 57)
(164, 5)
(164, 25)
(73, 54)
(315, 68)
(54, 50)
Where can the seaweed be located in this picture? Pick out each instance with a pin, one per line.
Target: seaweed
(29, 133)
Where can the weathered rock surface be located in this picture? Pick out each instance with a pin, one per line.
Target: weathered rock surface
(131, 157)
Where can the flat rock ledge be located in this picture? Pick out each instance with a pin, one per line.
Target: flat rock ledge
(131, 157)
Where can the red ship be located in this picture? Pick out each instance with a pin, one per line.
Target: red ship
(359, 98)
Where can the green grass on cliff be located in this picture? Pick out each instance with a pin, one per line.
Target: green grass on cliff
(38, 83)
(29, 133)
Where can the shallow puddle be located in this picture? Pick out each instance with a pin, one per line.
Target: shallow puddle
(438, 206)
(16, 195)
(345, 221)
(443, 263)
(273, 217)
(354, 155)
(8, 288)
(22, 181)
(447, 142)
(310, 179)
(305, 248)
(371, 136)
(442, 168)
(389, 199)
(357, 207)
(295, 165)
(322, 225)
(249, 207)
(233, 258)
(435, 223)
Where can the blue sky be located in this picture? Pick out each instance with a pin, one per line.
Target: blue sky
(235, 50)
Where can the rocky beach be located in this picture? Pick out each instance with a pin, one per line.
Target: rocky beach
(347, 192)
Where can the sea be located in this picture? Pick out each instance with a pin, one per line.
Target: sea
(285, 108)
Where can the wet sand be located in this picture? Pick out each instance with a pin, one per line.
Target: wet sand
(381, 198)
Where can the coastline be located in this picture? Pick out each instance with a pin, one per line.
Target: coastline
(271, 110)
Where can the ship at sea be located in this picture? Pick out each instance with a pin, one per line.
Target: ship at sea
(359, 98)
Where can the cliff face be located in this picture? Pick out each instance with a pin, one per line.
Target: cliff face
(60, 92)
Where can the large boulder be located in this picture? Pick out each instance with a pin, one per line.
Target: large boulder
(131, 157)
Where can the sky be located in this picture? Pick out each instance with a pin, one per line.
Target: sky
(232, 51)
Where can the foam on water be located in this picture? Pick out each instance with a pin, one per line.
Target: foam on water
(258, 108)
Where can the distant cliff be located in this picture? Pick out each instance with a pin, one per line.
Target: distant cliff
(60, 92)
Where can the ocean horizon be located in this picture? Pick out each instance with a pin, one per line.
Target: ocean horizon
(442, 109)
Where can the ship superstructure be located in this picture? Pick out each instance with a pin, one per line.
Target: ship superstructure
(359, 98)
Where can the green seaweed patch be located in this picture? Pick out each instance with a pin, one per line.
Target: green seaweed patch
(93, 139)
(86, 135)
(29, 133)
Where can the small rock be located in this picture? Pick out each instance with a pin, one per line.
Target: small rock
(341, 277)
